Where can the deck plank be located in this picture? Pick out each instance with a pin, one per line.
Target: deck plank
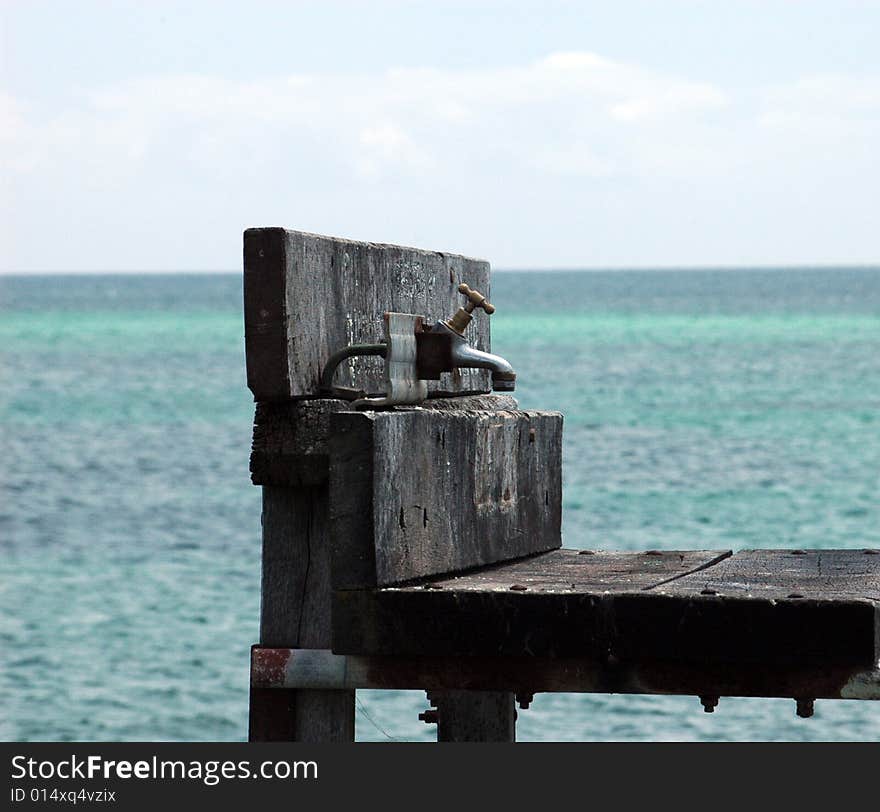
(581, 571)
(755, 608)
(778, 574)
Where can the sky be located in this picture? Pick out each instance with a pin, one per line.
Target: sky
(140, 136)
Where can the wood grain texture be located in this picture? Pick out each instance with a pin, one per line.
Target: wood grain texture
(777, 574)
(629, 608)
(290, 442)
(306, 296)
(295, 612)
(421, 493)
(584, 572)
(295, 607)
(291, 439)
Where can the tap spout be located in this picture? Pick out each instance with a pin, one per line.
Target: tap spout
(503, 376)
(465, 356)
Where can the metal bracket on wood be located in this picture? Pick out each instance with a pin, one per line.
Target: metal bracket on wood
(401, 364)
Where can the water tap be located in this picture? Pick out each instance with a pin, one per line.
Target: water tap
(443, 347)
(415, 353)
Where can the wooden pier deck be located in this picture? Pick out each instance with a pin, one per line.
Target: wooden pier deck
(420, 547)
(765, 607)
(707, 624)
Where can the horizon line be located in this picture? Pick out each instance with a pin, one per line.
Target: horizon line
(501, 269)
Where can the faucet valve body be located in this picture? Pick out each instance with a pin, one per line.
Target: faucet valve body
(462, 318)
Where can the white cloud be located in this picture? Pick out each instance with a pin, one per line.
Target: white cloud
(854, 95)
(572, 138)
(838, 110)
(399, 120)
(14, 135)
(669, 101)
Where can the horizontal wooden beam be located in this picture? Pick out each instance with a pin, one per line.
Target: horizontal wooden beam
(291, 439)
(318, 669)
(418, 493)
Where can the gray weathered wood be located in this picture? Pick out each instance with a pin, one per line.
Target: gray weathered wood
(583, 572)
(290, 444)
(466, 403)
(778, 574)
(290, 441)
(306, 296)
(746, 610)
(295, 612)
(294, 607)
(419, 493)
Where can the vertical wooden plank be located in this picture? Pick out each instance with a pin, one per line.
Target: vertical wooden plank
(271, 715)
(475, 716)
(295, 613)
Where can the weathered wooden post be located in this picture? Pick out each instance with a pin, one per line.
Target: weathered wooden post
(458, 484)
(306, 297)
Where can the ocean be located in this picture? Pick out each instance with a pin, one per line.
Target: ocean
(703, 409)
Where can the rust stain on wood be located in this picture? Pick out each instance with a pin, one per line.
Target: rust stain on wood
(269, 666)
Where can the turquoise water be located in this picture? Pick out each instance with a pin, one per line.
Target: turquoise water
(702, 409)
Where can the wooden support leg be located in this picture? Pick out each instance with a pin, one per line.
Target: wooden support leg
(295, 613)
(475, 716)
(271, 715)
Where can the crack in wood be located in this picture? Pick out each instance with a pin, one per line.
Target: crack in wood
(722, 557)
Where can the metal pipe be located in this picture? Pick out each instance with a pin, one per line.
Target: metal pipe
(337, 358)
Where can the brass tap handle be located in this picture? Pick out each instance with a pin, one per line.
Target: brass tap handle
(462, 318)
(475, 299)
